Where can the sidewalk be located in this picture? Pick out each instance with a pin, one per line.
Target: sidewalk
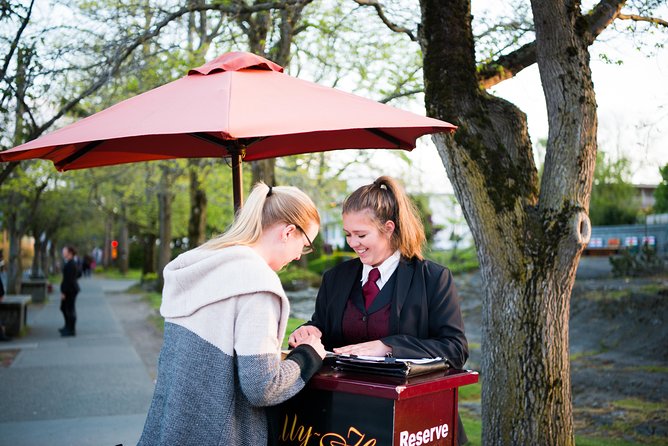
(92, 389)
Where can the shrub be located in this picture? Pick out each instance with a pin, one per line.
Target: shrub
(460, 261)
(296, 278)
(644, 262)
(325, 262)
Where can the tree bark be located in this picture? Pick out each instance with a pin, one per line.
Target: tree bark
(106, 252)
(148, 242)
(198, 204)
(528, 240)
(264, 170)
(165, 198)
(14, 269)
(53, 257)
(36, 271)
(124, 247)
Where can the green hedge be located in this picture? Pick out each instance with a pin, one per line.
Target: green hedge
(325, 262)
(294, 277)
(461, 261)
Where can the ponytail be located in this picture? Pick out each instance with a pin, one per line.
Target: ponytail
(265, 207)
(386, 200)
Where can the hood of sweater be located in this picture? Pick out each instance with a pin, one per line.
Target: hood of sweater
(204, 276)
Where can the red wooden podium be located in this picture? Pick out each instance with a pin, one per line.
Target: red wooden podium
(350, 409)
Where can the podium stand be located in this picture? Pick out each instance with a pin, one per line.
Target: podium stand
(346, 409)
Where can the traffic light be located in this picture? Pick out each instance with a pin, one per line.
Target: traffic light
(114, 249)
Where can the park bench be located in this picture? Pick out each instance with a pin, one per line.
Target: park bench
(14, 313)
(37, 287)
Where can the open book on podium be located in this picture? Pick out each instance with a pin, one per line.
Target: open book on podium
(388, 366)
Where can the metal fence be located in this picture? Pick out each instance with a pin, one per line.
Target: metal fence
(631, 237)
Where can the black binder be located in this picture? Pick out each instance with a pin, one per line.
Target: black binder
(390, 366)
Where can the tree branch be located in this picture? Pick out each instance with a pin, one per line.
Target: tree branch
(400, 94)
(603, 14)
(15, 42)
(637, 18)
(381, 14)
(593, 24)
(7, 170)
(507, 66)
(125, 52)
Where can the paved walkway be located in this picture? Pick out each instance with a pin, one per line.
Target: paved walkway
(92, 389)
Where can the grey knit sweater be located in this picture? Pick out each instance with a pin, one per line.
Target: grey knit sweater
(225, 317)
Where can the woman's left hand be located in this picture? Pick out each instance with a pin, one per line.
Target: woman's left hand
(371, 348)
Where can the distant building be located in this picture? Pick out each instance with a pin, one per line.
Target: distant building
(646, 194)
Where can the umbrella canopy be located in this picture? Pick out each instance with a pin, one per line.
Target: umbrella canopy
(239, 105)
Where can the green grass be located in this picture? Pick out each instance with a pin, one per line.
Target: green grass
(621, 432)
(113, 273)
(292, 324)
(639, 405)
(601, 441)
(652, 368)
(581, 355)
(154, 299)
(470, 392)
(472, 427)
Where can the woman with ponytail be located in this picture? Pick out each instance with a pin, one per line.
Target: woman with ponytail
(411, 311)
(415, 311)
(225, 314)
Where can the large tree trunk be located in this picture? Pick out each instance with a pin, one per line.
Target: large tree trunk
(528, 243)
(264, 170)
(37, 271)
(124, 246)
(148, 242)
(165, 198)
(198, 203)
(14, 269)
(106, 252)
(53, 257)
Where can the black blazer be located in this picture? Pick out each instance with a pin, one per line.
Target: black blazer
(69, 286)
(425, 318)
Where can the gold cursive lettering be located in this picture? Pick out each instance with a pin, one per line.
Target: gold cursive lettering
(300, 433)
(334, 439)
(295, 432)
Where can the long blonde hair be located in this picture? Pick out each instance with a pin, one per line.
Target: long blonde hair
(265, 207)
(385, 200)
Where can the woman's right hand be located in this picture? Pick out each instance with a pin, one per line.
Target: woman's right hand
(303, 332)
(314, 342)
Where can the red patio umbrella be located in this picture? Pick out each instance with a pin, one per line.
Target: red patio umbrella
(239, 105)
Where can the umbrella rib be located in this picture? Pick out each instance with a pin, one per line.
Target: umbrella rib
(212, 139)
(62, 164)
(391, 139)
(229, 144)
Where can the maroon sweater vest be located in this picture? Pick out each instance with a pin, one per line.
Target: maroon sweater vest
(361, 325)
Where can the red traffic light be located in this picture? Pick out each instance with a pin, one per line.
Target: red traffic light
(114, 244)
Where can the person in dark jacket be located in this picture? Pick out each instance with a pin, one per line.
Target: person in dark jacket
(411, 311)
(69, 288)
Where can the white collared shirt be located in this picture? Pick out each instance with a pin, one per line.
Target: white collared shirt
(386, 269)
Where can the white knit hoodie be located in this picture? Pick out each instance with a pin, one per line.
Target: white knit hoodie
(225, 317)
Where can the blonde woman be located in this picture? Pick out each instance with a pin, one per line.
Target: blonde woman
(225, 317)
